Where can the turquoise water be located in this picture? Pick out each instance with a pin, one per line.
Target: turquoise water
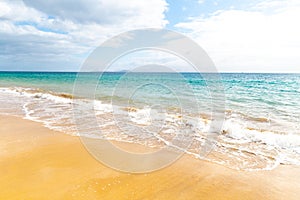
(262, 111)
(254, 95)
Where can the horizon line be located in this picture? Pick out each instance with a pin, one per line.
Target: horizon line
(125, 71)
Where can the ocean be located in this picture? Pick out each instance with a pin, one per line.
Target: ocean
(260, 130)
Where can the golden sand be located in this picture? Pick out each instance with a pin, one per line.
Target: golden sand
(37, 163)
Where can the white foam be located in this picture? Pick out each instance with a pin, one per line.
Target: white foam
(101, 108)
(28, 112)
(30, 92)
(237, 131)
(141, 116)
(55, 112)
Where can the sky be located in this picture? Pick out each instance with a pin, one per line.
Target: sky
(238, 35)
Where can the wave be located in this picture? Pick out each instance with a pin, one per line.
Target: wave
(239, 144)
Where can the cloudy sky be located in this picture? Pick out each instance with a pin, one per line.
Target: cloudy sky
(239, 35)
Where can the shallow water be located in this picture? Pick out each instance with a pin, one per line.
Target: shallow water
(260, 130)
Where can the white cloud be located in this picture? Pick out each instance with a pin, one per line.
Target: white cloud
(36, 29)
(263, 38)
(103, 11)
(16, 11)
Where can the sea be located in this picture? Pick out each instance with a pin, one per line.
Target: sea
(258, 113)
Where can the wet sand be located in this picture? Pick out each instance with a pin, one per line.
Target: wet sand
(38, 163)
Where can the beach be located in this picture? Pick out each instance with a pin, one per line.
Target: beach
(149, 100)
(39, 163)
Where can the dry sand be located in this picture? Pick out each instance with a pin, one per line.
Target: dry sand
(37, 163)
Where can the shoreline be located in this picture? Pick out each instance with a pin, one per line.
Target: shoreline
(38, 163)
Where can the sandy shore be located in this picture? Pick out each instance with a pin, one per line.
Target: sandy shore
(37, 163)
